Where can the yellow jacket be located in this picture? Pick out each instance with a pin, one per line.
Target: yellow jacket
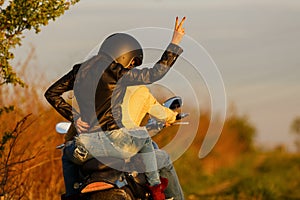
(137, 102)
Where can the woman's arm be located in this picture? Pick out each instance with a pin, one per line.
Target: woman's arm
(55, 91)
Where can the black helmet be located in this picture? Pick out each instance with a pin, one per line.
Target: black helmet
(122, 48)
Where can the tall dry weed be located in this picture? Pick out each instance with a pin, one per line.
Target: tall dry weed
(41, 176)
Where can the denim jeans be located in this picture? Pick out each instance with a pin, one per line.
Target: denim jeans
(123, 143)
(168, 171)
(71, 171)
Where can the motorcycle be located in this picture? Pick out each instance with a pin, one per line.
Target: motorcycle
(101, 182)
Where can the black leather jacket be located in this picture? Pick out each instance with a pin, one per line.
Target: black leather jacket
(99, 85)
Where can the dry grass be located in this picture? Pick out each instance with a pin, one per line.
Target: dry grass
(42, 176)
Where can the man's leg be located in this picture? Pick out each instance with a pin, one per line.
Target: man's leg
(168, 171)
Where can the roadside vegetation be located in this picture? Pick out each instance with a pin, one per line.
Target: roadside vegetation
(30, 166)
(235, 169)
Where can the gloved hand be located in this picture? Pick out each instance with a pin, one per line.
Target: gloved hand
(181, 115)
(154, 126)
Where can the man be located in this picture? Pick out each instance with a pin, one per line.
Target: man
(113, 62)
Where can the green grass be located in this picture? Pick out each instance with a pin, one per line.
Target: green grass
(271, 176)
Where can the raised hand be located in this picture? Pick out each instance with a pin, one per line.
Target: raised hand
(178, 31)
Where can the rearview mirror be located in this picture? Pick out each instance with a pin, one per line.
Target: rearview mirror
(62, 127)
(173, 103)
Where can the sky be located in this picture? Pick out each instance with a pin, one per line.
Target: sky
(254, 44)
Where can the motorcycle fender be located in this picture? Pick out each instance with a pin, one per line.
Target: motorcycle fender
(96, 186)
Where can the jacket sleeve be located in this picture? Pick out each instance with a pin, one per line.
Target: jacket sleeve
(150, 75)
(160, 112)
(55, 91)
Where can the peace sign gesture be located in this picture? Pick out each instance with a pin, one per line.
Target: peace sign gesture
(178, 31)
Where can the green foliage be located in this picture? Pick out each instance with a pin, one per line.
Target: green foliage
(245, 130)
(295, 126)
(20, 15)
(273, 176)
(276, 177)
(17, 16)
(7, 136)
(6, 109)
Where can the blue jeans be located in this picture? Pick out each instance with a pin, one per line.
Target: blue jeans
(71, 172)
(168, 171)
(123, 143)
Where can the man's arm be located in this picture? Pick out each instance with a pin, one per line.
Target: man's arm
(148, 76)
